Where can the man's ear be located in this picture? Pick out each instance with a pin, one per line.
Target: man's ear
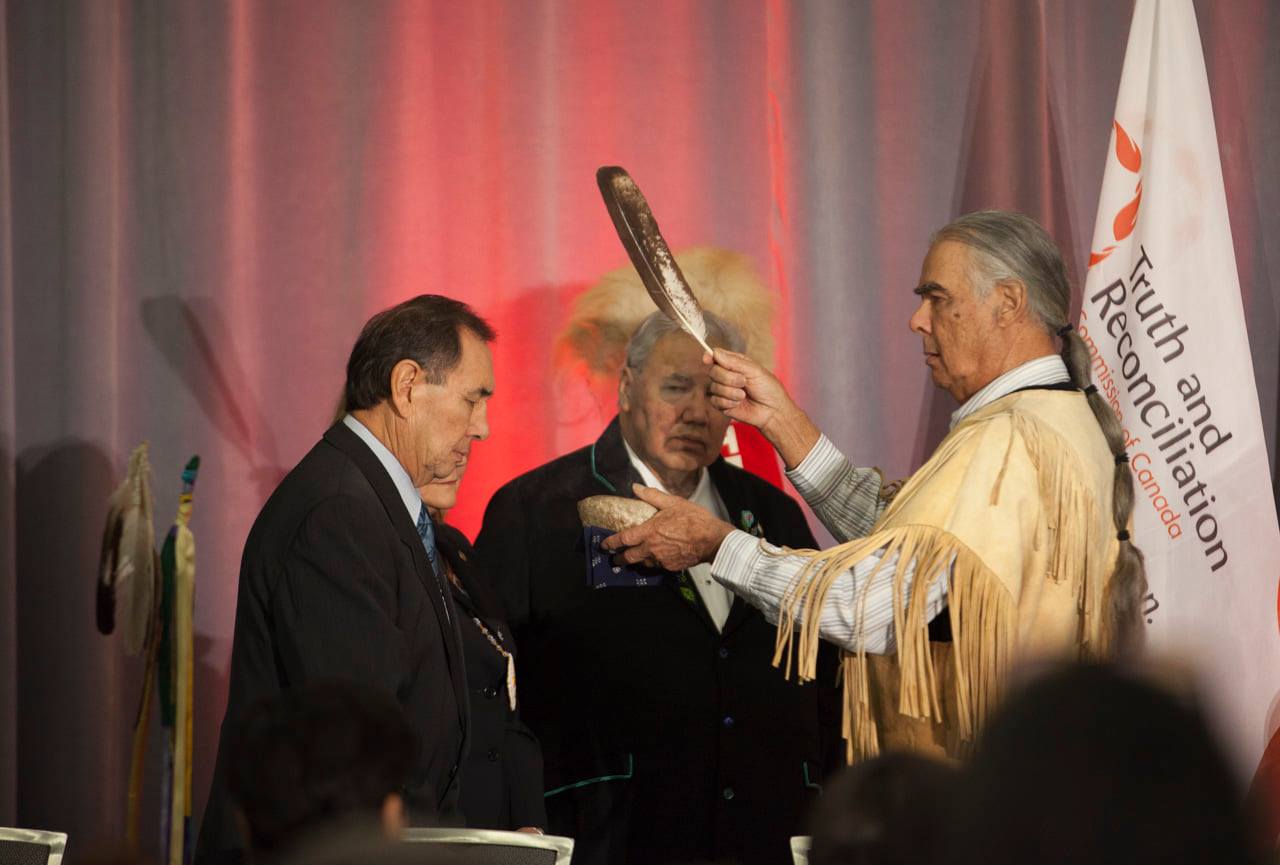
(625, 381)
(1011, 301)
(404, 375)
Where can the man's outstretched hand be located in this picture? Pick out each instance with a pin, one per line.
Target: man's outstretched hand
(746, 391)
(679, 536)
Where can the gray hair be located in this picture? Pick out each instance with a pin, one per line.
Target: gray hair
(720, 334)
(1010, 246)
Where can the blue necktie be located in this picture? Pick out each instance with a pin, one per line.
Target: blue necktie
(428, 534)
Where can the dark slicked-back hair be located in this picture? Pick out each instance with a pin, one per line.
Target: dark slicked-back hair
(426, 329)
(315, 755)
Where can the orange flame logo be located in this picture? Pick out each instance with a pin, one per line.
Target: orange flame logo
(1129, 155)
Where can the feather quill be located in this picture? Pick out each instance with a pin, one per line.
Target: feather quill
(638, 231)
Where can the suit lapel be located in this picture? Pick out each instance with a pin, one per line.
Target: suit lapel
(341, 437)
(610, 466)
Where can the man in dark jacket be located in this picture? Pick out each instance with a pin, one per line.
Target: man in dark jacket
(668, 735)
(339, 578)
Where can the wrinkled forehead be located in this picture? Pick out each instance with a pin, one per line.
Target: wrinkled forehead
(947, 264)
(474, 370)
(676, 352)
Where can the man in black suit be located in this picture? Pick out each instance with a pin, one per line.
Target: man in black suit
(338, 578)
(668, 735)
(502, 775)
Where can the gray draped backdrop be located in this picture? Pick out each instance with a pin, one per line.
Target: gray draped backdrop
(200, 202)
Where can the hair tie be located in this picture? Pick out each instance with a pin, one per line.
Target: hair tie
(1122, 535)
(1065, 329)
(1122, 458)
(1091, 390)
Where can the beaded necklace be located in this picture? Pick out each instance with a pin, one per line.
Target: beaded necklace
(493, 641)
(511, 661)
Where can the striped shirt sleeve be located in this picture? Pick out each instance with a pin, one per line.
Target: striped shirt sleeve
(844, 497)
(761, 573)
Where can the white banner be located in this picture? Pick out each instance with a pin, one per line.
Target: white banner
(1162, 316)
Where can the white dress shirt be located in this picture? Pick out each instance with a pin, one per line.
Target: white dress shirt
(846, 499)
(715, 597)
(400, 477)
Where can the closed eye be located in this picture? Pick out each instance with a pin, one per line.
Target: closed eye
(473, 397)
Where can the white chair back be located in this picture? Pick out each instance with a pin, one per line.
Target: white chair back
(31, 847)
(800, 849)
(494, 847)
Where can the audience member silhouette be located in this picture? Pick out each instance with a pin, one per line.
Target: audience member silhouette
(891, 810)
(1092, 765)
(328, 758)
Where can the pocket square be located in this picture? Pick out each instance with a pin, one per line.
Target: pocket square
(603, 573)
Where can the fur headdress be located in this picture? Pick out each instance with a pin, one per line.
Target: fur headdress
(606, 314)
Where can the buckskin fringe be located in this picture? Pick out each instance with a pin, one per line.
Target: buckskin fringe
(1080, 528)
(983, 622)
(982, 609)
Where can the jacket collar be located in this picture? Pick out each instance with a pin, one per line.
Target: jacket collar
(399, 477)
(608, 462)
(345, 439)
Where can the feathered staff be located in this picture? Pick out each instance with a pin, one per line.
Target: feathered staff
(638, 231)
(126, 567)
(127, 594)
(177, 668)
